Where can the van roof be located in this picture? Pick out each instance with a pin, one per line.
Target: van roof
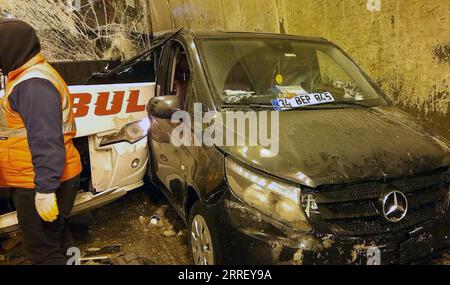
(228, 34)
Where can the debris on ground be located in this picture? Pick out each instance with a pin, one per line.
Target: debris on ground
(112, 255)
(18, 261)
(8, 249)
(154, 220)
(11, 243)
(98, 254)
(182, 237)
(160, 220)
(118, 223)
(161, 211)
(131, 259)
(443, 260)
(11, 252)
(169, 233)
(143, 220)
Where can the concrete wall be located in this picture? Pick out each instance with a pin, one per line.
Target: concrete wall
(404, 45)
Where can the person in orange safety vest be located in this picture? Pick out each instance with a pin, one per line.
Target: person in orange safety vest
(39, 164)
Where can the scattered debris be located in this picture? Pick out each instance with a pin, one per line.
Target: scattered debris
(327, 242)
(161, 211)
(182, 237)
(118, 223)
(11, 252)
(113, 255)
(19, 261)
(277, 248)
(357, 250)
(161, 221)
(169, 232)
(99, 254)
(155, 219)
(298, 257)
(143, 220)
(11, 243)
(131, 259)
(444, 260)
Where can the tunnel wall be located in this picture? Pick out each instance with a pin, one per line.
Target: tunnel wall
(404, 45)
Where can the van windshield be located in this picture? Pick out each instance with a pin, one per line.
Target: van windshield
(243, 71)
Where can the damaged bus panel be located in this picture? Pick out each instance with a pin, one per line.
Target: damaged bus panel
(112, 127)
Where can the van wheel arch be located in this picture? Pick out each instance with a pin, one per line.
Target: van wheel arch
(191, 198)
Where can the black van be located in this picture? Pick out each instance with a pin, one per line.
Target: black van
(354, 181)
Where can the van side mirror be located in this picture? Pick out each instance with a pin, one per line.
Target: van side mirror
(163, 107)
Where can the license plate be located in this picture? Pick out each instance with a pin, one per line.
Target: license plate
(373, 256)
(302, 100)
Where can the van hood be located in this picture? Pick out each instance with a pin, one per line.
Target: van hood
(335, 146)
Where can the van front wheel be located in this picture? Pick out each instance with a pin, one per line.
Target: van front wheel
(203, 242)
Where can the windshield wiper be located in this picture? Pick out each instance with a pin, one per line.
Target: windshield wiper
(337, 104)
(248, 102)
(349, 103)
(238, 105)
(318, 106)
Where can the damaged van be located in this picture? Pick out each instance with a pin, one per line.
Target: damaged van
(112, 126)
(355, 180)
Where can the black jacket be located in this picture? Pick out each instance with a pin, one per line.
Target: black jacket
(38, 102)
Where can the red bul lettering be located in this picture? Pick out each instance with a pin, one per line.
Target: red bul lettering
(107, 103)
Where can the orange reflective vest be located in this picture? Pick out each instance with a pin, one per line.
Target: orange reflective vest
(16, 167)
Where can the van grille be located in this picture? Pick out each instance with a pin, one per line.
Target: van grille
(356, 209)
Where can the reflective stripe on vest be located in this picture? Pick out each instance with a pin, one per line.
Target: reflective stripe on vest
(16, 161)
(37, 71)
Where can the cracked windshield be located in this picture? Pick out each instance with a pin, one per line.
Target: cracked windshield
(284, 74)
(85, 30)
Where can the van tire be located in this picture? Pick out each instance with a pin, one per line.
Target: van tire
(199, 213)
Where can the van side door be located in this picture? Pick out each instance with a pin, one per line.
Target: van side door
(173, 80)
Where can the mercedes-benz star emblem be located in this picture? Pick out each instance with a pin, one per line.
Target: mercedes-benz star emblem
(395, 206)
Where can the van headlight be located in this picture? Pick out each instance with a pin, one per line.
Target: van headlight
(273, 198)
(131, 133)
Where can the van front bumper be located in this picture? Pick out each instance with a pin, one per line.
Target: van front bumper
(250, 238)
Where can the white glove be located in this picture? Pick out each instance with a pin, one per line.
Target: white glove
(47, 206)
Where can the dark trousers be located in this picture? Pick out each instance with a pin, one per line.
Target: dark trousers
(46, 243)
